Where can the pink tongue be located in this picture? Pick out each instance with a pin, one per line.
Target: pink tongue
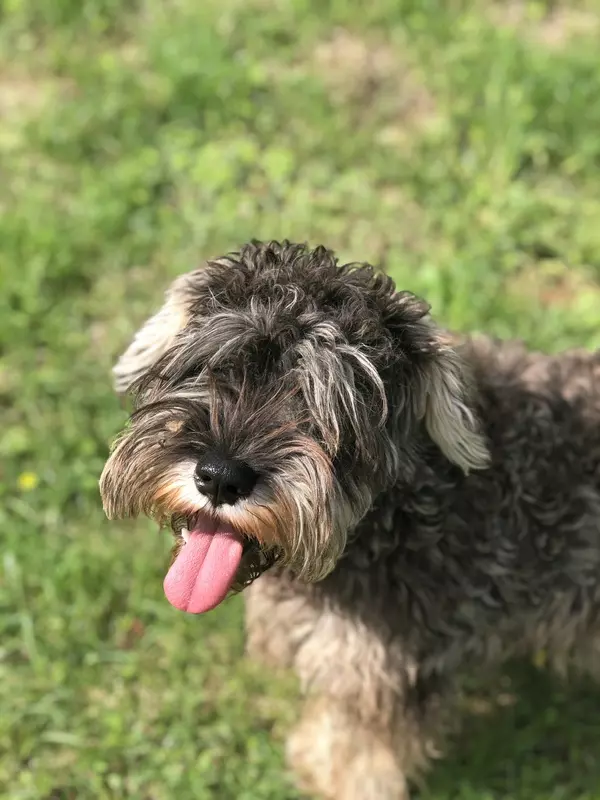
(203, 571)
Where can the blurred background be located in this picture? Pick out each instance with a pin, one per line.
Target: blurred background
(457, 144)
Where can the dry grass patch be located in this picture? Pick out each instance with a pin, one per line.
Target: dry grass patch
(551, 283)
(554, 27)
(23, 96)
(375, 78)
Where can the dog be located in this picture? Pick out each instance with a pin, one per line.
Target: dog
(400, 504)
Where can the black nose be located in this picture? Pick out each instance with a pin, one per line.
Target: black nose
(224, 480)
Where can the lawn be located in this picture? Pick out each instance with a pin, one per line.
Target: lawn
(456, 144)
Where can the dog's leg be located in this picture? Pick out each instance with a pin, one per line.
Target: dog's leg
(370, 720)
(336, 756)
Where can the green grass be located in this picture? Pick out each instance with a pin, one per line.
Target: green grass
(453, 144)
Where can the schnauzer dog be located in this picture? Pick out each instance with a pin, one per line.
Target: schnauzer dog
(410, 502)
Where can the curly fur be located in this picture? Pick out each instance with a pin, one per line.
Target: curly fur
(426, 505)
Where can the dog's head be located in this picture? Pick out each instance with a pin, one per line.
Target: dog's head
(276, 394)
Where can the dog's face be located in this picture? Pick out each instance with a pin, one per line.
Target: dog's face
(276, 394)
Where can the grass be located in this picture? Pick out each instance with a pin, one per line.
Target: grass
(454, 143)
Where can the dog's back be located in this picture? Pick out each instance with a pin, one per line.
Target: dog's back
(499, 562)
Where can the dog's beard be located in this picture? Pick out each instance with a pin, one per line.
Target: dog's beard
(298, 517)
(257, 524)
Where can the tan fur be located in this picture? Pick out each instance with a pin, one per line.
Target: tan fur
(354, 740)
(335, 756)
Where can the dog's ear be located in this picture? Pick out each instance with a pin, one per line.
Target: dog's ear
(155, 336)
(449, 416)
(441, 388)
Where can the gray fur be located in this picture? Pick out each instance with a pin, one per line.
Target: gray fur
(425, 505)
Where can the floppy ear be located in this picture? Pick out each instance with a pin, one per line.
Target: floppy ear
(440, 390)
(155, 336)
(449, 417)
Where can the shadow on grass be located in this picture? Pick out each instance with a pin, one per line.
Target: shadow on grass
(534, 737)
